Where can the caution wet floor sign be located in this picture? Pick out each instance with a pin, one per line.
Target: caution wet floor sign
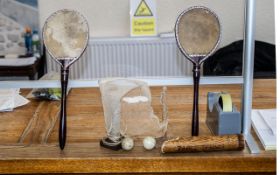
(143, 18)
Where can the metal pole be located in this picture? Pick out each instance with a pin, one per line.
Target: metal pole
(248, 71)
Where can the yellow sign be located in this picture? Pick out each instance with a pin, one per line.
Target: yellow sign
(143, 18)
(143, 26)
(143, 9)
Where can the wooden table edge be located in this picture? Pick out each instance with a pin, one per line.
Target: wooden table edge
(139, 165)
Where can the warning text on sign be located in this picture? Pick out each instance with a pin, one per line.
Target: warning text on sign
(143, 26)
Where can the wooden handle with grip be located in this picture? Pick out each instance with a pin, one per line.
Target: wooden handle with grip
(204, 144)
(195, 114)
(63, 114)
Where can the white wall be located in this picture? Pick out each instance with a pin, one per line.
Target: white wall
(110, 18)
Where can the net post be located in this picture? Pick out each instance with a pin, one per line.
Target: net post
(248, 71)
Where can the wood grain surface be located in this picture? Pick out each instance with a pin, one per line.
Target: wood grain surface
(29, 137)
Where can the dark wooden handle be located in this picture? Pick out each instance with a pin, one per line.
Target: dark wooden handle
(195, 114)
(203, 144)
(62, 124)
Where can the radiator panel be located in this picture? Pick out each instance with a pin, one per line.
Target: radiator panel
(128, 57)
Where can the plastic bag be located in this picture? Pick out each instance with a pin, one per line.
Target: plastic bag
(47, 93)
(128, 111)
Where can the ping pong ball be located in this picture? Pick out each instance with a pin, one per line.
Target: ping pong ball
(149, 143)
(127, 143)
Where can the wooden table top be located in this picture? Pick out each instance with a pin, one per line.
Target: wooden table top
(29, 144)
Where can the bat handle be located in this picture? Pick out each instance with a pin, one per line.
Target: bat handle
(62, 124)
(195, 114)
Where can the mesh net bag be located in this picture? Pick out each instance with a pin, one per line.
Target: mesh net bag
(128, 111)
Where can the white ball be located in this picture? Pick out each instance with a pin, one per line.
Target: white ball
(127, 143)
(149, 143)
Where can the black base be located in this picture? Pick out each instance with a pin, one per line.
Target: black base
(109, 144)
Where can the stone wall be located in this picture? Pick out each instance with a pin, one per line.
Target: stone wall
(14, 16)
(11, 36)
(23, 14)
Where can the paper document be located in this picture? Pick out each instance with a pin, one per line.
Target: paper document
(269, 116)
(10, 99)
(7, 99)
(264, 124)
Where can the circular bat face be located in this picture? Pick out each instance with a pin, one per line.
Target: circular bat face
(197, 33)
(65, 34)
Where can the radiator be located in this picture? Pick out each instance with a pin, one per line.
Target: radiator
(128, 57)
